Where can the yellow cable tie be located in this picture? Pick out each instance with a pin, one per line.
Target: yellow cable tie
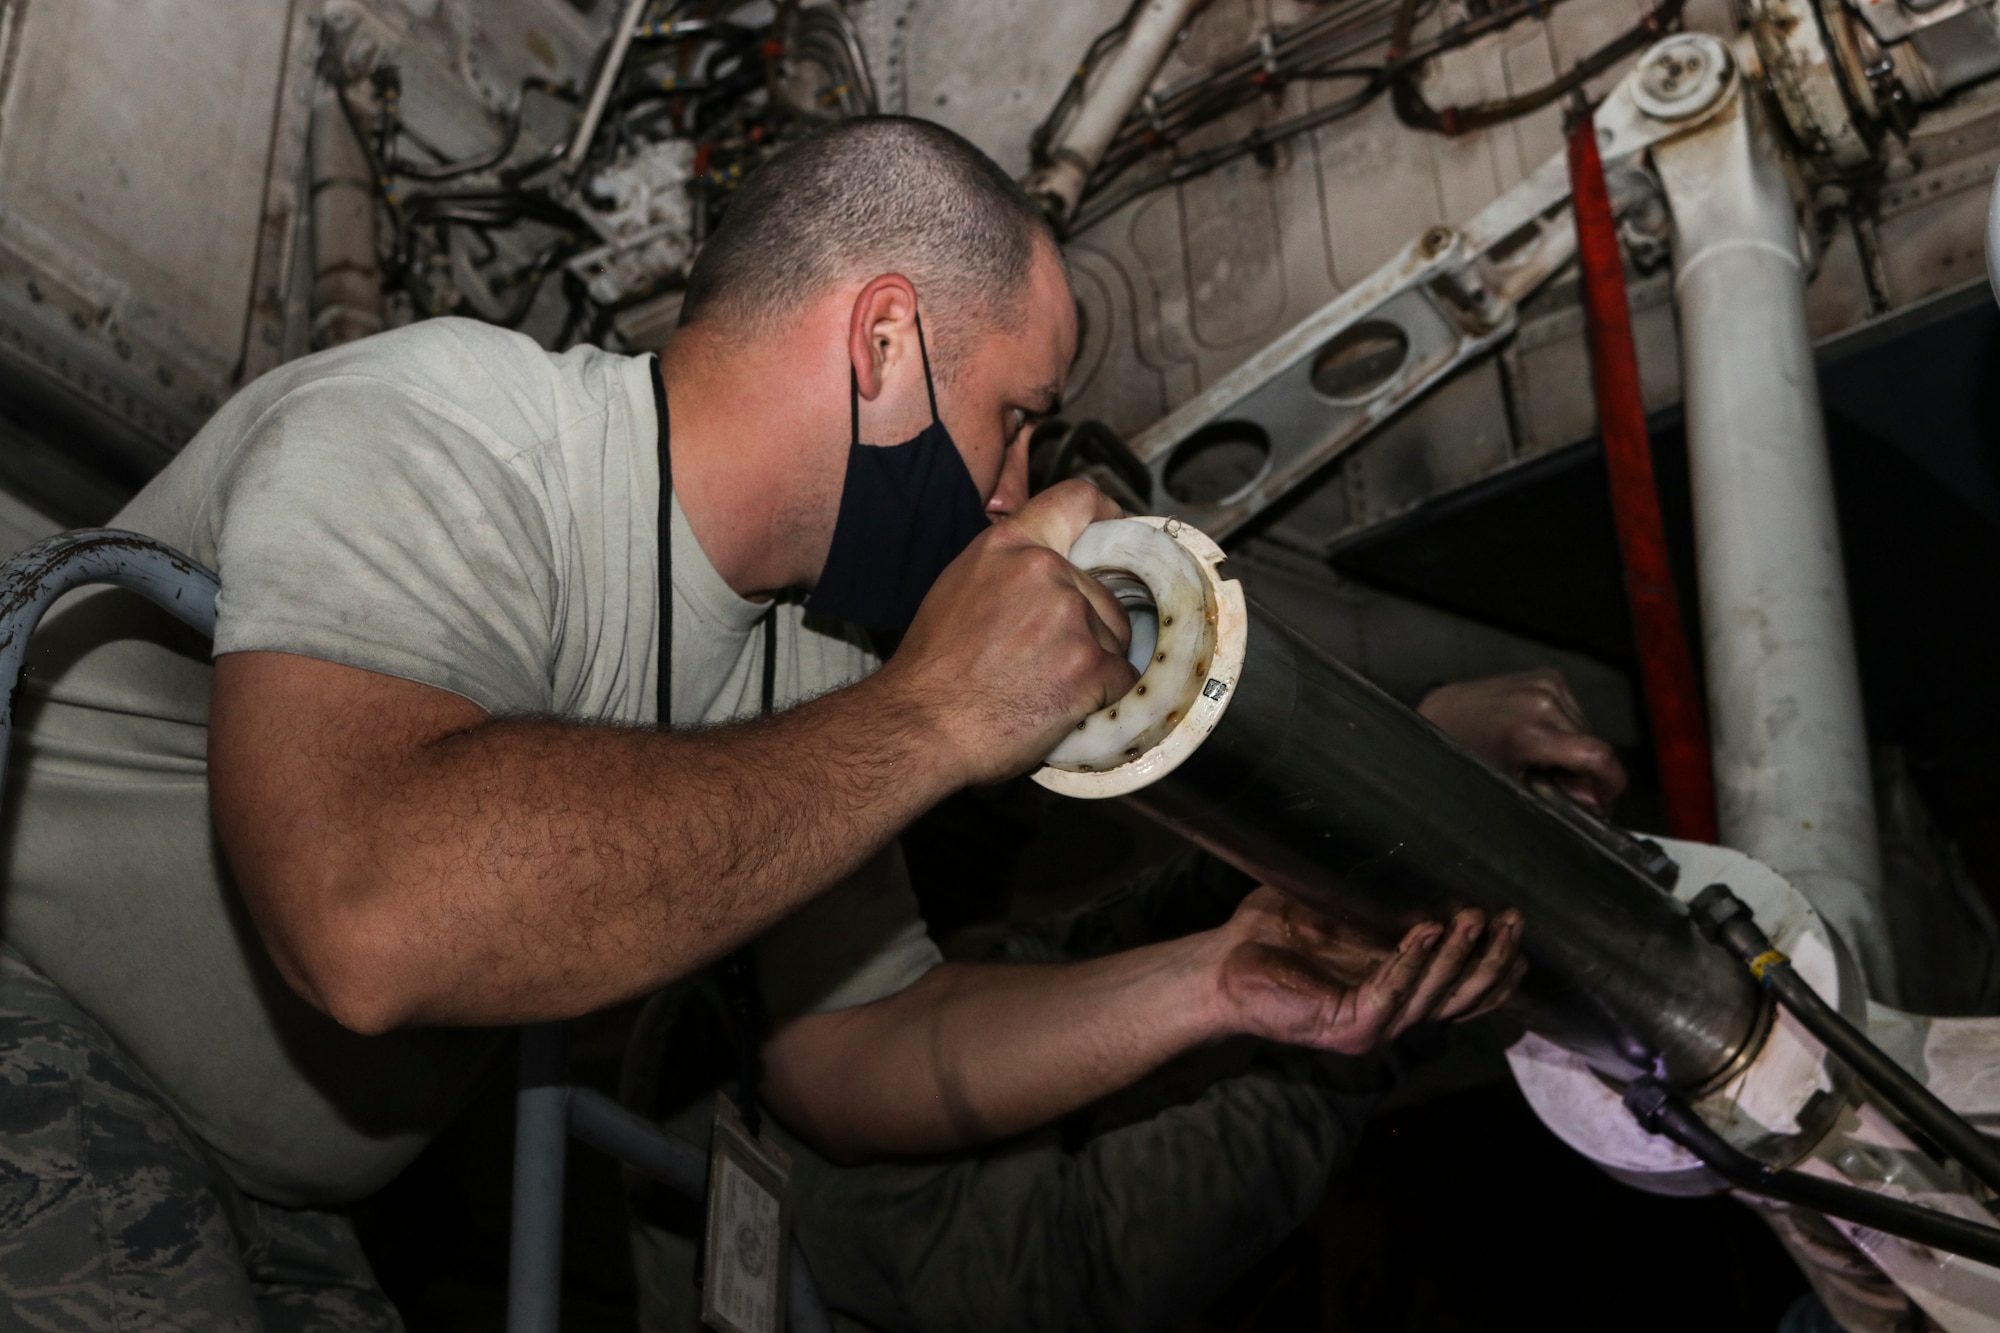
(1762, 962)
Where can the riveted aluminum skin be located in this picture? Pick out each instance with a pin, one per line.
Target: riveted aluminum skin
(1322, 786)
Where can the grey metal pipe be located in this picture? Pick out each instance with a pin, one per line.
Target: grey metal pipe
(600, 92)
(639, 1143)
(1321, 785)
(1149, 37)
(541, 1143)
(347, 299)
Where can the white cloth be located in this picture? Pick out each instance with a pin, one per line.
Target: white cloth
(446, 503)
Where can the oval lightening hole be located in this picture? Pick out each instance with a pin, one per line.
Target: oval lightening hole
(1218, 463)
(1361, 362)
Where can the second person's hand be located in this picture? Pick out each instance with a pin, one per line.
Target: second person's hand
(1526, 723)
(1287, 973)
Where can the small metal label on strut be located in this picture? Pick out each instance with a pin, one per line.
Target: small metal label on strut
(749, 1229)
(1215, 689)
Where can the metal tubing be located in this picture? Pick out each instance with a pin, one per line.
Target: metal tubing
(1111, 98)
(1791, 754)
(600, 93)
(1319, 784)
(347, 301)
(31, 582)
(1993, 239)
(602, 1123)
(541, 1130)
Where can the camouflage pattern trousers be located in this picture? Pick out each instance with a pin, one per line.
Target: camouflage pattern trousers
(114, 1217)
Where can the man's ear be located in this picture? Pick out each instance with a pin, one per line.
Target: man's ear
(881, 330)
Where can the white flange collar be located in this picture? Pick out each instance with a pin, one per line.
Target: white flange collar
(1189, 677)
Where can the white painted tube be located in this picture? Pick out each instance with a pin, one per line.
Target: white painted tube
(1109, 99)
(347, 301)
(607, 78)
(1993, 239)
(1791, 752)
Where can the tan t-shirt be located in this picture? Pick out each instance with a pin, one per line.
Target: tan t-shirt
(447, 503)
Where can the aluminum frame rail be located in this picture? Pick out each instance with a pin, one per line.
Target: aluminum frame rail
(1451, 295)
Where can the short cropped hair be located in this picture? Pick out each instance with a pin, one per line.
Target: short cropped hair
(866, 196)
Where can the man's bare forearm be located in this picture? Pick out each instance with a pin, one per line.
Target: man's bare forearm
(976, 1052)
(972, 1053)
(510, 870)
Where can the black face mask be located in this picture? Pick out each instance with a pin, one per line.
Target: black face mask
(906, 511)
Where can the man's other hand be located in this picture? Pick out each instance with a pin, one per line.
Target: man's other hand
(1289, 974)
(1529, 724)
(1015, 645)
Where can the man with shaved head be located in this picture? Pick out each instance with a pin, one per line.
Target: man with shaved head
(480, 741)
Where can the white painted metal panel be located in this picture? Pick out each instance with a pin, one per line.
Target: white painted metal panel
(134, 146)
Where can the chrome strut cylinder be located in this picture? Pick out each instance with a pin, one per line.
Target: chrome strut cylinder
(1292, 767)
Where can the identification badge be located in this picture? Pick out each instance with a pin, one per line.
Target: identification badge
(749, 1228)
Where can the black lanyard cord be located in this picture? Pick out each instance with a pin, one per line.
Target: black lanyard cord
(737, 972)
(663, 702)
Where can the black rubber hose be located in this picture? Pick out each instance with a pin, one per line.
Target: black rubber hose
(1723, 917)
(1659, 1111)
(1414, 111)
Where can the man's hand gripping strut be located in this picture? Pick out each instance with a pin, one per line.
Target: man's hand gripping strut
(1015, 645)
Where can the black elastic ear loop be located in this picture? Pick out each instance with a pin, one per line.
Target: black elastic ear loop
(854, 390)
(663, 678)
(929, 388)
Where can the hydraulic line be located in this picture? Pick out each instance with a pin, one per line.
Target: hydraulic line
(1323, 49)
(600, 93)
(1414, 111)
(1673, 701)
(1659, 1111)
(1095, 209)
(1723, 918)
(510, 135)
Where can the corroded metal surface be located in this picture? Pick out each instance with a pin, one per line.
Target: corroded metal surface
(1802, 68)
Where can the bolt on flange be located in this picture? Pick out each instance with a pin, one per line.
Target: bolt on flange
(1681, 76)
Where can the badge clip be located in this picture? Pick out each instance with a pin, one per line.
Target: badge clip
(749, 1228)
